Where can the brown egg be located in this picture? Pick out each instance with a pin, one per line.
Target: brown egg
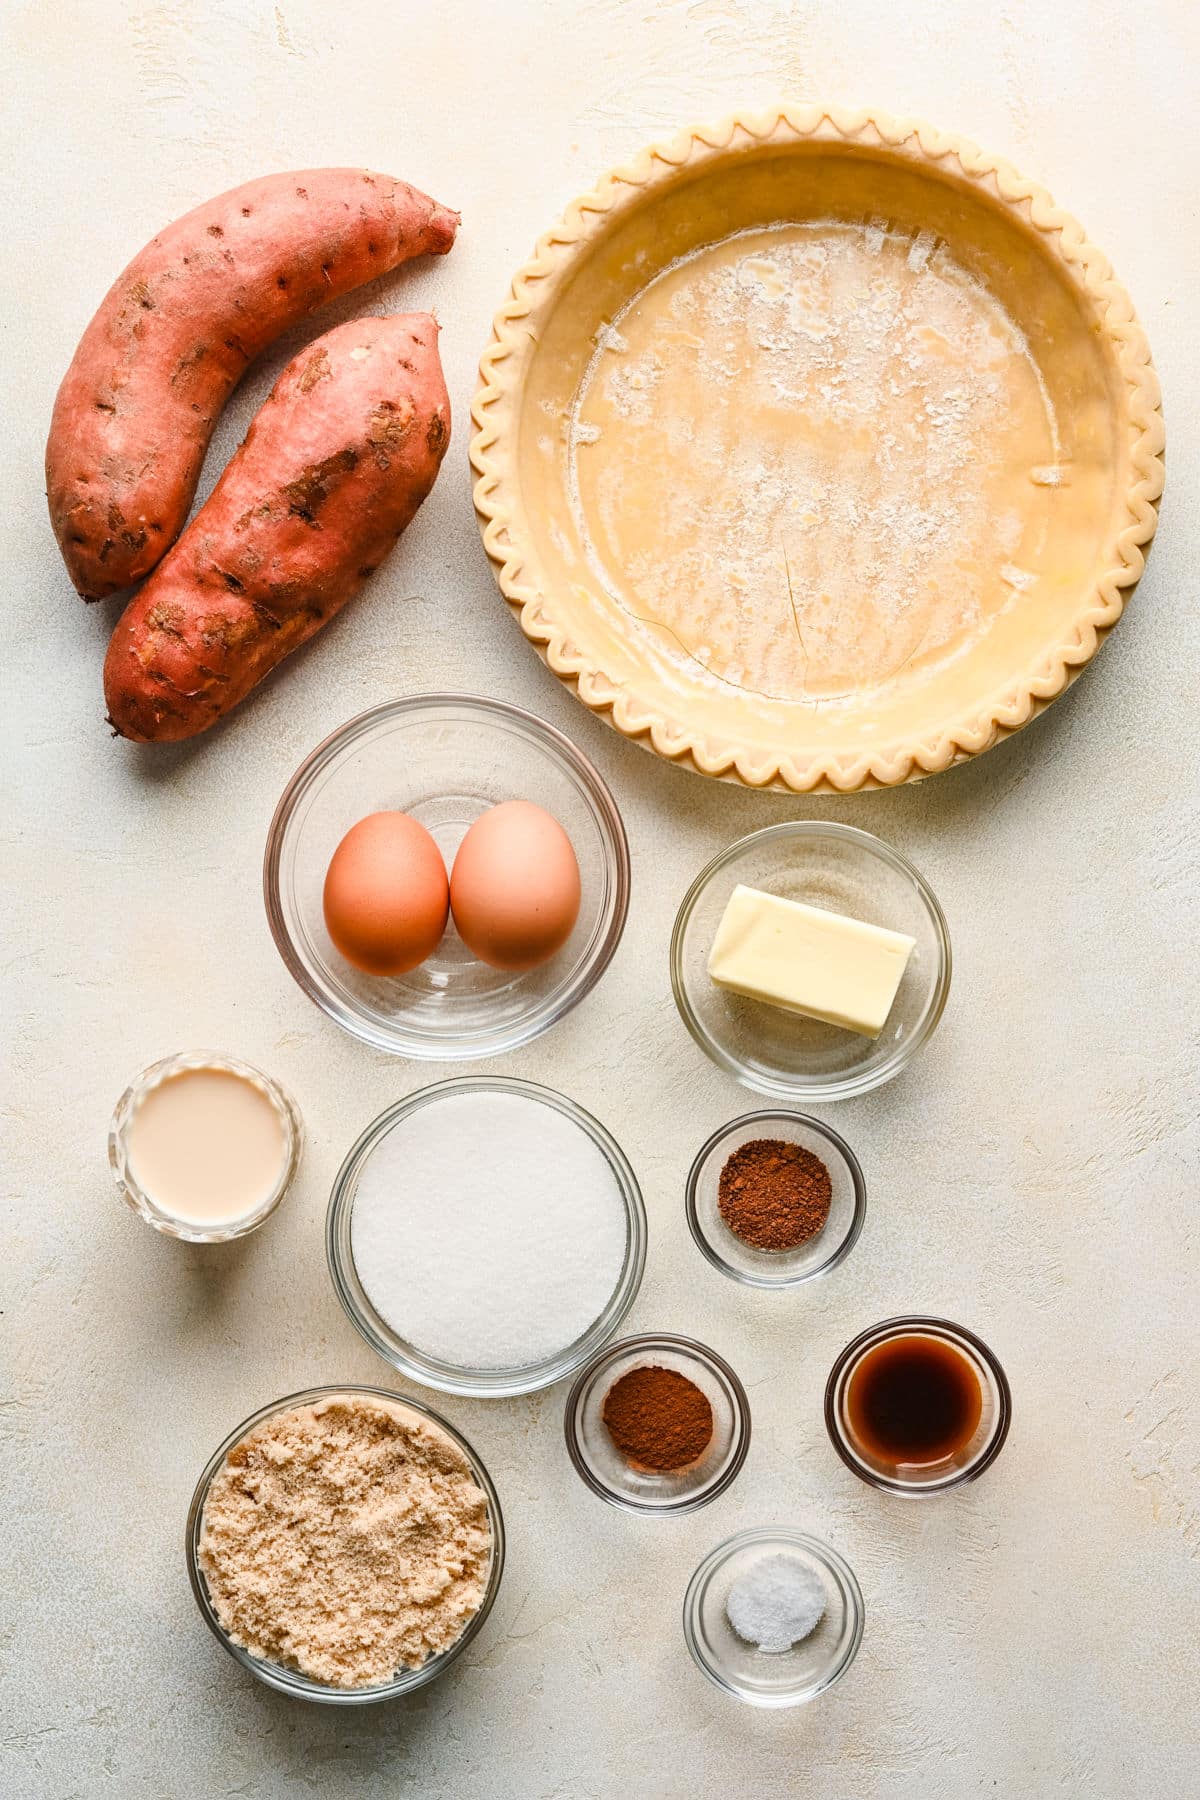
(386, 894)
(514, 889)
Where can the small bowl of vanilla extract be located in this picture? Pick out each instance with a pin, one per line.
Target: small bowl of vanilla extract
(917, 1405)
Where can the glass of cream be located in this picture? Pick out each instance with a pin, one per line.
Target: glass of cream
(204, 1147)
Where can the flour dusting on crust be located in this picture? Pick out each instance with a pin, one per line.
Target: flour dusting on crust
(814, 455)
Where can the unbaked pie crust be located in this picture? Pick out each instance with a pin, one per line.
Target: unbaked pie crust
(818, 451)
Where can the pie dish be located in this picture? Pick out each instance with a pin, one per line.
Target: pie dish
(817, 450)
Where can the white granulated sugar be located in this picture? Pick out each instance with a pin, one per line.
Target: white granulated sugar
(488, 1230)
(778, 1602)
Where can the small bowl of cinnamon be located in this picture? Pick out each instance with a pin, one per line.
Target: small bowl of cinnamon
(775, 1198)
(657, 1424)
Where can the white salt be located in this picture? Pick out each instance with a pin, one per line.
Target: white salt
(778, 1602)
(488, 1230)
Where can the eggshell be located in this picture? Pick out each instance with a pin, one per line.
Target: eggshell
(514, 889)
(386, 896)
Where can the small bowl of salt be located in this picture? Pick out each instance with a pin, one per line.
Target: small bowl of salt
(773, 1617)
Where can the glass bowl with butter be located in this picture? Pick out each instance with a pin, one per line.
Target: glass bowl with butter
(810, 961)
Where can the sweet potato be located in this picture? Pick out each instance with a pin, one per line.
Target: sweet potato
(176, 331)
(333, 467)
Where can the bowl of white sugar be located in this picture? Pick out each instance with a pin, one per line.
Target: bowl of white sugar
(486, 1236)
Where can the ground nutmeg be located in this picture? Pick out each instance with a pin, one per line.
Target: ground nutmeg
(774, 1195)
(657, 1418)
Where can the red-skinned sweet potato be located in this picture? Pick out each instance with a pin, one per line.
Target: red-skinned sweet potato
(334, 466)
(176, 331)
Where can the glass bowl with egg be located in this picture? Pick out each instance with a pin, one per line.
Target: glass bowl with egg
(450, 763)
(876, 897)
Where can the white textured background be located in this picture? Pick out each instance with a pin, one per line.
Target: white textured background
(1034, 1176)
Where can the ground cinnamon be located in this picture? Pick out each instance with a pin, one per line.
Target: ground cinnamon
(774, 1195)
(657, 1418)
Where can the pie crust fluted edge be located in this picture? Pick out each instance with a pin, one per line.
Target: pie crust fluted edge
(496, 492)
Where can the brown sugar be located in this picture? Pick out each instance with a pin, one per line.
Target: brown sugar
(346, 1539)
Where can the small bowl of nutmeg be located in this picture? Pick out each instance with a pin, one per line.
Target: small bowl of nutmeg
(775, 1198)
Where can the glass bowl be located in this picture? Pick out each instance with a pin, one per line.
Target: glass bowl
(144, 1204)
(844, 870)
(445, 759)
(768, 1678)
(454, 1378)
(606, 1471)
(776, 1268)
(918, 1481)
(292, 1681)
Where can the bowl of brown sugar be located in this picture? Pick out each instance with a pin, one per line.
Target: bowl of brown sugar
(345, 1545)
(775, 1198)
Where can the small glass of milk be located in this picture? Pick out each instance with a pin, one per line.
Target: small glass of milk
(204, 1147)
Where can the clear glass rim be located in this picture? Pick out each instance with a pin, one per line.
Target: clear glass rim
(144, 1204)
(429, 1046)
(291, 1681)
(481, 1384)
(798, 1088)
(844, 1579)
(773, 1115)
(917, 1324)
(650, 1341)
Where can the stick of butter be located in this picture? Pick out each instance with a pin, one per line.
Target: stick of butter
(808, 960)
